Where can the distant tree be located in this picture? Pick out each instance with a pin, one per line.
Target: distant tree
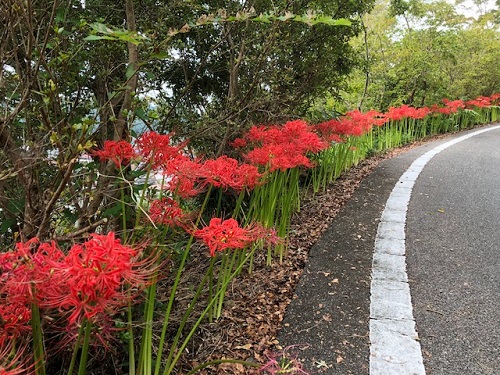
(431, 54)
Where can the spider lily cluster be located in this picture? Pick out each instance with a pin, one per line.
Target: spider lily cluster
(55, 301)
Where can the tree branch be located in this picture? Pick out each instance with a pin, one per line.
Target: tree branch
(367, 70)
(121, 128)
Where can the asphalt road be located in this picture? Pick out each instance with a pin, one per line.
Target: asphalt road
(451, 250)
(453, 257)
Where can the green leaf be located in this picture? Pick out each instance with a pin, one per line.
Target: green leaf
(262, 18)
(101, 28)
(150, 75)
(98, 37)
(153, 115)
(113, 210)
(160, 55)
(130, 71)
(333, 22)
(112, 33)
(6, 224)
(54, 138)
(139, 112)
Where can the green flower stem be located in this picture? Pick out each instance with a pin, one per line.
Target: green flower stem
(176, 282)
(187, 314)
(131, 351)
(171, 365)
(223, 266)
(237, 209)
(224, 274)
(289, 201)
(423, 127)
(37, 334)
(82, 369)
(75, 351)
(495, 113)
(238, 206)
(262, 206)
(145, 353)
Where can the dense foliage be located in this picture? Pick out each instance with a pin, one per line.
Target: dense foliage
(75, 74)
(417, 52)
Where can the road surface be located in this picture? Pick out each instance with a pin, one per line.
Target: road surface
(407, 278)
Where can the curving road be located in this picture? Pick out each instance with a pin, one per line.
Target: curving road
(453, 256)
(425, 224)
(448, 199)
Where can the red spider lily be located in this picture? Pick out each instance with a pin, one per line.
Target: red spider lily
(377, 118)
(26, 275)
(284, 362)
(280, 157)
(284, 147)
(454, 105)
(331, 129)
(156, 149)
(220, 235)
(297, 133)
(404, 111)
(410, 112)
(495, 99)
(14, 359)
(421, 113)
(119, 152)
(248, 177)
(441, 110)
(97, 276)
(301, 135)
(27, 269)
(354, 123)
(238, 143)
(480, 102)
(328, 131)
(226, 172)
(219, 172)
(184, 187)
(362, 122)
(265, 154)
(167, 211)
(263, 134)
(15, 319)
(267, 236)
(184, 175)
(394, 114)
(351, 127)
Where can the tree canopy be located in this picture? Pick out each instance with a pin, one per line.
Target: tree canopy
(75, 74)
(421, 52)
